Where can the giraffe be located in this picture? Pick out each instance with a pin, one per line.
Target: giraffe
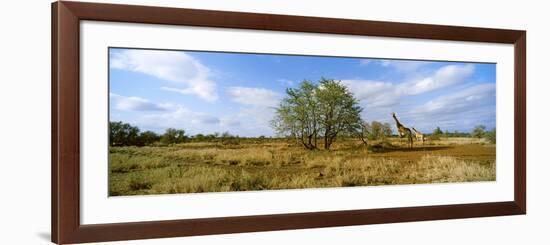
(403, 131)
(419, 135)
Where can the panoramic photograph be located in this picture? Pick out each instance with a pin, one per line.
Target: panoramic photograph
(204, 121)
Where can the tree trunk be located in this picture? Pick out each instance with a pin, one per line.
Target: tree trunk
(315, 137)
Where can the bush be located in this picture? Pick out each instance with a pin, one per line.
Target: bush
(148, 138)
(229, 139)
(478, 132)
(139, 183)
(173, 136)
(434, 137)
(377, 130)
(491, 136)
(123, 134)
(437, 131)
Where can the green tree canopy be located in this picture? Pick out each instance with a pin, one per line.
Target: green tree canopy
(148, 138)
(377, 130)
(437, 131)
(478, 131)
(325, 110)
(491, 135)
(173, 136)
(123, 134)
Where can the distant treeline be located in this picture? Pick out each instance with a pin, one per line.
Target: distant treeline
(479, 131)
(437, 132)
(125, 134)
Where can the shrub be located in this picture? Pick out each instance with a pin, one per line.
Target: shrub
(437, 132)
(148, 138)
(123, 134)
(138, 182)
(478, 131)
(377, 130)
(173, 136)
(491, 136)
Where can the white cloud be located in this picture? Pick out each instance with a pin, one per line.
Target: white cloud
(364, 89)
(365, 62)
(285, 82)
(384, 94)
(251, 119)
(257, 110)
(256, 120)
(403, 65)
(248, 121)
(174, 66)
(254, 96)
(133, 103)
(460, 110)
(160, 116)
(205, 119)
(461, 101)
(373, 93)
(380, 98)
(178, 116)
(188, 91)
(230, 122)
(443, 77)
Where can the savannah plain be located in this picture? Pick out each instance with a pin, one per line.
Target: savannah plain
(322, 141)
(247, 164)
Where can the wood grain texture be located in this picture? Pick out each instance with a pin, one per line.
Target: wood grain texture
(273, 22)
(193, 227)
(54, 131)
(67, 126)
(520, 125)
(66, 17)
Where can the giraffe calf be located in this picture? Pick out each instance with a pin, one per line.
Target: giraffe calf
(418, 135)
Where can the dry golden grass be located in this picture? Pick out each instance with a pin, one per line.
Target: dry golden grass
(277, 164)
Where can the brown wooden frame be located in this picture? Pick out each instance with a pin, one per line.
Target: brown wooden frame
(65, 175)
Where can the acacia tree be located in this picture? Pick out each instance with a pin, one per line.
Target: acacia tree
(478, 131)
(491, 135)
(377, 130)
(173, 136)
(340, 111)
(437, 131)
(326, 110)
(148, 138)
(297, 115)
(122, 134)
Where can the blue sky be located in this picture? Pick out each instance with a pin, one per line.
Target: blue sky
(207, 92)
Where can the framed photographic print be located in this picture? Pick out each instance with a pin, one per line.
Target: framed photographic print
(177, 122)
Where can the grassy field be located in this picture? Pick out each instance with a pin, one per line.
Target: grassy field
(270, 164)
